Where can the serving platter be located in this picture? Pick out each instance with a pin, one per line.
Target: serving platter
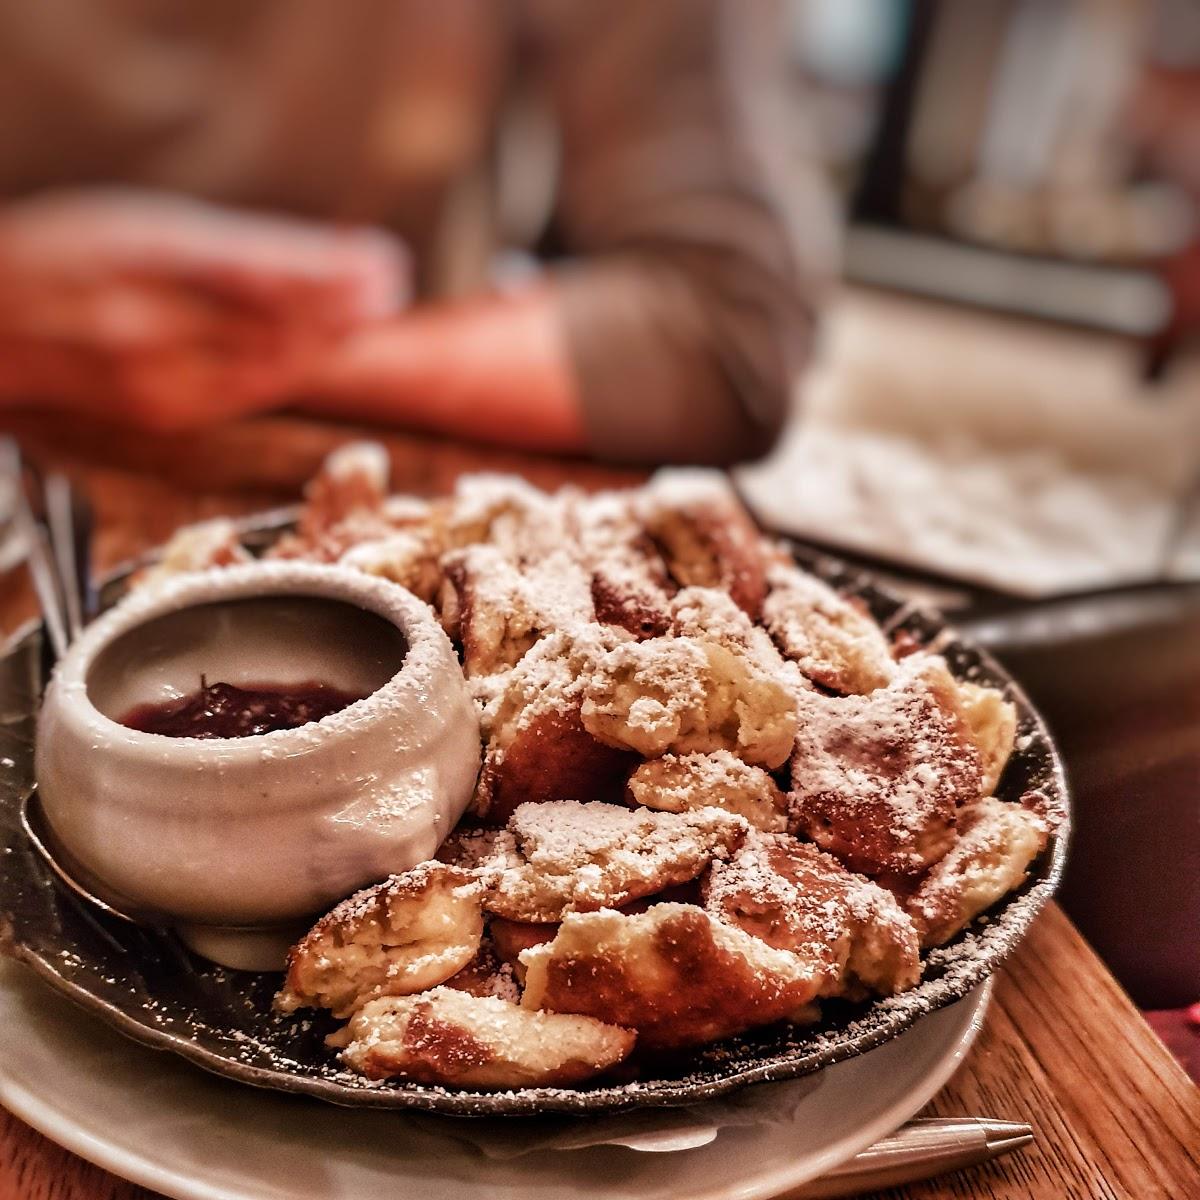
(193, 1135)
(148, 986)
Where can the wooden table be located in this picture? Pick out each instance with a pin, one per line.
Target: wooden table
(1063, 1048)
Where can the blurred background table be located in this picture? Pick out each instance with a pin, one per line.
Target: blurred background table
(1063, 1046)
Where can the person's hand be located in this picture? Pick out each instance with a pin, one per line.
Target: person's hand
(169, 313)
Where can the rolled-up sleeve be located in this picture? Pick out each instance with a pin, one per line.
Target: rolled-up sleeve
(687, 300)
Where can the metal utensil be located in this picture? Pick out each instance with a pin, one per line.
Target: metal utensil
(919, 1150)
(55, 524)
(68, 518)
(42, 563)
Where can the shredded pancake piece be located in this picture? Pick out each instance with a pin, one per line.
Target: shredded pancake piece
(567, 857)
(511, 938)
(551, 678)
(408, 557)
(537, 748)
(684, 783)
(673, 973)
(353, 479)
(629, 581)
(688, 695)
(996, 843)
(993, 724)
(711, 615)
(344, 506)
(404, 935)
(501, 609)
(833, 642)
(794, 897)
(551, 756)
(524, 523)
(651, 650)
(196, 547)
(487, 974)
(706, 535)
(877, 779)
(456, 1039)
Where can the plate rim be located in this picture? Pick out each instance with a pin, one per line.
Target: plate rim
(952, 1055)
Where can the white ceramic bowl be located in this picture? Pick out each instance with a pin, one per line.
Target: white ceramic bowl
(257, 832)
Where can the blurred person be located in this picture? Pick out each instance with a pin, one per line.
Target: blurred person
(1164, 125)
(670, 330)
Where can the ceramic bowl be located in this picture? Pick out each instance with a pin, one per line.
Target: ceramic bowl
(237, 841)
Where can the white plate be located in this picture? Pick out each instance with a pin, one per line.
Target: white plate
(152, 1118)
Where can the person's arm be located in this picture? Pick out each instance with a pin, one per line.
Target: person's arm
(493, 369)
(689, 308)
(166, 313)
(674, 331)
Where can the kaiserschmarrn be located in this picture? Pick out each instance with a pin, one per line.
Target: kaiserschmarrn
(714, 793)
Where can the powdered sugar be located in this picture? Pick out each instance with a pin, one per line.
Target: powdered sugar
(676, 783)
(796, 898)
(829, 639)
(877, 778)
(563, 857)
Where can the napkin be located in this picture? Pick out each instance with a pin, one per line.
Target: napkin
(655, 1130)
(1027, 459)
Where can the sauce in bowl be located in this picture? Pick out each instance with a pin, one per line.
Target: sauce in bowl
(223, 710)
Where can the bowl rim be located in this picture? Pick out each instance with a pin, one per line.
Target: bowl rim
(249, 581)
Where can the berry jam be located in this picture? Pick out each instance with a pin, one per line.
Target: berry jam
(221, 710)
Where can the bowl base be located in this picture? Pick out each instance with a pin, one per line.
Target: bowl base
(243, 949)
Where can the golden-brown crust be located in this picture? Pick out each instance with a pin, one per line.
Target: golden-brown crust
(404, 935)
(633, 611)
(455, 1039)
(683, 783)
(794, 897)
(831, 639)
(551, 757)
(494, 636)
(566, 857)
(499, 608)
(996, 843)
(488, 973)
(550, 678)
(630, 585)
(877, 779)
(684, 695)
(707, 537)
(672, 973)
(511, 937)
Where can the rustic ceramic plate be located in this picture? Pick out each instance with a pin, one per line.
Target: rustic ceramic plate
(148, 986)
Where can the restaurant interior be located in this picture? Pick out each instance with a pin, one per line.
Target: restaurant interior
(920, 278)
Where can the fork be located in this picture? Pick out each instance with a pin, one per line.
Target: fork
(54, 522)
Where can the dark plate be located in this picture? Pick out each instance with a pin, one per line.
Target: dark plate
(149, 987)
